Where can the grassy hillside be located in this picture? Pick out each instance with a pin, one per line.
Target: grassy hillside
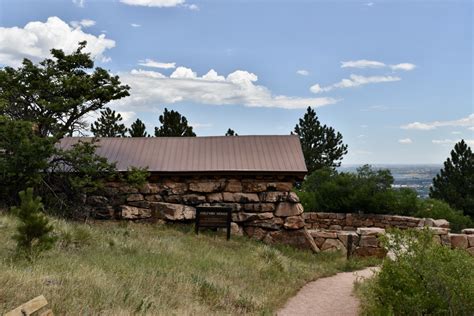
(124, 268)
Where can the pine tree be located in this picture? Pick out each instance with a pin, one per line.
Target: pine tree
(231, 132)
(173, 124)
(34, 231)
(138, 129)
(322, 146)
(109, 124)
(455, 182)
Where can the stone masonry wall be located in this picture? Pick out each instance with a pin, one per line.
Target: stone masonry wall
(263, 207)
(351, 221)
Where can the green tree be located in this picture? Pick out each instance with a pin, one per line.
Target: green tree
(455, 182)
(57, 93)
(322, 145)
(108, 124)
(138, 129)
(34, 231)
(173, 124)
(231, 132)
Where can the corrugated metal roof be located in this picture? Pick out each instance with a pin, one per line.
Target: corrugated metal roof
(245, 154)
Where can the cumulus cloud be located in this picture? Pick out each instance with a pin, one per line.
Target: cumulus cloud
(135, 25)
(36, 39)
(150, 88)
(79, 3)
(405, 141)
(82, 23)
(364, 63)
(154, 3)
(354, 81)
(156, 64)
(302, 72)
(462, 122)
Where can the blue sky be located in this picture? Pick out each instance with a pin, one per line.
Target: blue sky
(394, 77)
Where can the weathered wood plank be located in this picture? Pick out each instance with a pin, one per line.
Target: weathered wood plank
(29, 307)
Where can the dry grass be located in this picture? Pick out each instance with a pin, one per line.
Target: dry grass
(127, 268)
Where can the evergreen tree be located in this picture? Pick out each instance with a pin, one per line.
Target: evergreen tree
(58, 93)
(138, 129)
(322, 146)
(231, 132)
(173, 124)
(455, 182)
(34, 231)
(108, 124)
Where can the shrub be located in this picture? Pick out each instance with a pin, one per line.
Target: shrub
(436, 209)
(34, 231)
(137, 176)
(426, 278)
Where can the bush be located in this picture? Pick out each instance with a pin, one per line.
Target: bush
(441, 210)
(137, 176)
(425, 279)
(34, 231)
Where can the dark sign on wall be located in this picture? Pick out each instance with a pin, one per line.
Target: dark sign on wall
(213, 217)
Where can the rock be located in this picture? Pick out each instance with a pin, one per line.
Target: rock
(273, 196)
(296, 238)
(242, 217)
(438, 230)
(470, 250)
(369, 241)
(206, 186)
(293, 222)
(150, 188)
(284, 186)
(127, 189)
(333, 245)
(141, 204)
(133, 212)
(154, 198)
(335, 227)
(259, 207)
(323, 234)
(214, 197)
(134, 197)
(468, 231)
(103, 212)
(253, 186)
(110, 191)
(193, 199)
(310, 241)
(343, 236)
(293, 197)
(370, 231)
(458, 241)
(441, 223)
(285, 209)
(175, 187)
(233, 186)
(174, 212)
(240, 197)
(97, 200)
(470, 240)
(274, 223)
(255, 232)
(174, 198)
(236, 230)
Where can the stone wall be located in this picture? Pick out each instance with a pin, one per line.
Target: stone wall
(263, 207)
(365, 240)
(351, 221)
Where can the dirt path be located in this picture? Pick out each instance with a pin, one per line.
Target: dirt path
(327, 296)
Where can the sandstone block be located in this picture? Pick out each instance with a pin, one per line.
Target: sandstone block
(470, 240)
(468, 231)
(370, 231)
(344, 236)
(174, 212)
(175, 187)
(150, 188)
(141, 204)
(127, 189)
(294, 222)
(285, 209)
(255, 232)
(323, 234)
(240, 197)
(97, 200)
(206, 186)
(293, 197)
(333, 245)
(439, 230)
(458, 241)
(335, 227)
(134, 197)
(132, 212)
(233, 186)
(250, 186)
(369, 241)
(441, 223)
(274, 223)
(370, 252)
(214, 197)
(273, 196)
(259, 207)
(153, 198)
(174, 198)
(193, 199)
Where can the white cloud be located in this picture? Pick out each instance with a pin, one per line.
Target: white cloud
(369, 4)
(135, 25)
(149, 88)
(82, 23)
(154, 3)
(462, 122)
(156, 64)
(192, 7)
(403, 66)
(200, 125)
(364, 63)
(405, 141)
(354, 81)
(79, 3)
(302, 72)
(36, 39)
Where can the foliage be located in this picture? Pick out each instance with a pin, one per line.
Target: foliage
(108, 124)
(137, 176)
(173, 124)
(367, 191)
(436, 209)
(425, 279)
(455, 182)
(322, 145)
(231, 132)
(58, 93)
(33, 234)
(23, 158)
(138, 129)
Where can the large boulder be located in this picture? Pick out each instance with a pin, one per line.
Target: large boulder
(97, 200)
(174, 212)
(193, 199)
(240, 197)
(259, 207)
(206, 186)
(134, 197)
(233, 186)
(273, 196)
(286, 209)
(251, 186)
(333, 245)
(133, 212)
(458, 241)
(294, 222)
(175, 187)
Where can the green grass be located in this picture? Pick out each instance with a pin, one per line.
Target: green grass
(112, 268)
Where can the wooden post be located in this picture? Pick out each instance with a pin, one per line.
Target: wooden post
(349, 246)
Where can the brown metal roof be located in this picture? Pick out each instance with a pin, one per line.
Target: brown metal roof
(219, 154)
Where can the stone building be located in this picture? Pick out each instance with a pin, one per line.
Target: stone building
(252, 174)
